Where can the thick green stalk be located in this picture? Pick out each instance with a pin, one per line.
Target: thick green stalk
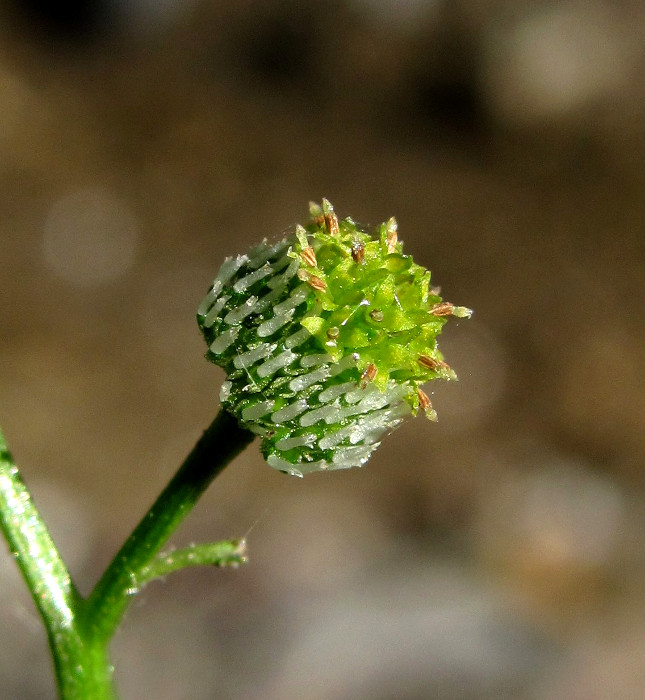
(219, 444)
(81, 667)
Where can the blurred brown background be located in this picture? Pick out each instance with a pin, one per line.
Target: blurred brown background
(497, 554)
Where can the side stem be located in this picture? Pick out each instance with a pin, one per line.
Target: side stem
(220, 443)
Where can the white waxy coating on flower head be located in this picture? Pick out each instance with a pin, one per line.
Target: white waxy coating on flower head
(223, 341)
(257, 410)
(266, 369)
(305, 380)
(268, 328)
(214, 311)
(249, 280)
(290, 412)
(250, 357)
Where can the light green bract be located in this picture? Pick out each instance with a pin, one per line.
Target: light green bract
(326, 337)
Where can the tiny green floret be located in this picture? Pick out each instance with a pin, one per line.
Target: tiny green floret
(326, 337)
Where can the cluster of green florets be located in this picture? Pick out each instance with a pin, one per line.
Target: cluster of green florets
(374, 300)
(326, 337)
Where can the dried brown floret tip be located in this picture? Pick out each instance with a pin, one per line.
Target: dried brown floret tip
(331, 220)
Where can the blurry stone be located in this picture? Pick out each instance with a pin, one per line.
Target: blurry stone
(607, 660)
(414, 631)
(554, 531)
(600, 398)
(556, 59)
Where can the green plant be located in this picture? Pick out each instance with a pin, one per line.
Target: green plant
(326, 336)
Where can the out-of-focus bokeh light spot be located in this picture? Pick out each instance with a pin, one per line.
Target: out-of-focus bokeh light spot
(567, 514)
(555, 61)
(90, 237)
(359, 644)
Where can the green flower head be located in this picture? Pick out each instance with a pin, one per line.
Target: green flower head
(326, 337)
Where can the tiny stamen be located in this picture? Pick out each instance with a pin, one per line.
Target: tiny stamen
(358, 252)
(424, 400)
(425, 405)
(331, 220)
(443, 308)
(311, 280)
(391, 237)
(309, 256)
(429, 362)
(368, 374)
(317, 284)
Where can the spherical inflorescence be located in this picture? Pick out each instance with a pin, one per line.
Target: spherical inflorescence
(326, 337)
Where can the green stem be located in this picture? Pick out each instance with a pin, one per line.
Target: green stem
(81, 666)
(79, 630)
(225, 553)
(219, 444)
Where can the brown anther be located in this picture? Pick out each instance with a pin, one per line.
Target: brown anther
(429, 362)
(425, 405)
(435, 291)
(443, 308)
(358, 252)
(309, 256)
(377, 315)
(424, 401)
(331, 222)
(368, 374)
(318, 284)
(333, 333)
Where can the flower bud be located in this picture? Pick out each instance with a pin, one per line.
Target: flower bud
(326, 336)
